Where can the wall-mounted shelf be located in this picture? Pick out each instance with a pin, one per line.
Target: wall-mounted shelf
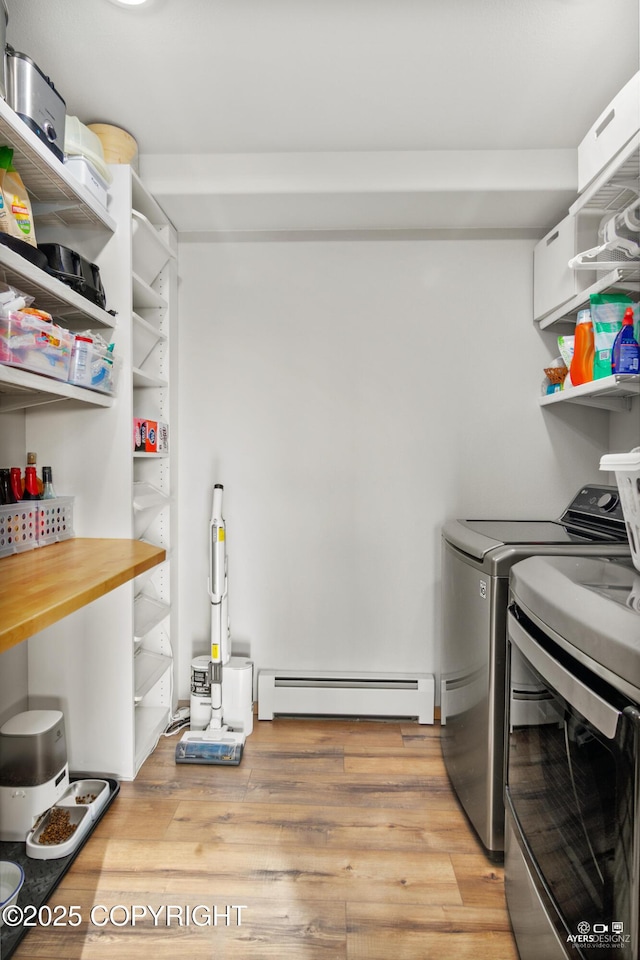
(40, 587)
(74, 310)
(146, 336)
(56, 196)
(148, 668)
(148, 613)
(151, 721)
(20, 389)
(624, 279)
(145, 297)
(616, 187)
(610, 393)
(143, 379)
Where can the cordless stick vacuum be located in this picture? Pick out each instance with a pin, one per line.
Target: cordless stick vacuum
(221, 712)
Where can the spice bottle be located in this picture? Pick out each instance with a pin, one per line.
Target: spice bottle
(581, 369)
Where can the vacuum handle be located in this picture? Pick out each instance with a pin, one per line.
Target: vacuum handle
(217, 548)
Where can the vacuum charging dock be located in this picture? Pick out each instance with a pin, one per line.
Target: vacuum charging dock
(202, 744)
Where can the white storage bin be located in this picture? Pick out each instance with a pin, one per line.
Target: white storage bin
(554, 282)
(88, 176)
(615, 126)
(93, 366)
(626, 467)
(79, 141)
(18, 527)
(55, 520)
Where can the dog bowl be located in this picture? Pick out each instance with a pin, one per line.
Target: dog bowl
(11, 880)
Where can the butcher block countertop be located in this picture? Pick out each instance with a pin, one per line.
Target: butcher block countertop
(39, 587)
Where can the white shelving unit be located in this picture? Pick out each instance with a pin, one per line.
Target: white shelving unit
(57, 199)
(108, 670)
(614, 189)
(20, 389)
(153, 300)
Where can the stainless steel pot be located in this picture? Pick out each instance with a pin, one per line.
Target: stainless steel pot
(4, 20)
(35, 99)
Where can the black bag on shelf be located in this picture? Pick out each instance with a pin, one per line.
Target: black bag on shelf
(72, 269)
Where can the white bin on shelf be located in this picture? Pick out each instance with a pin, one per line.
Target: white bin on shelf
(613, 129)
(18, 527)
(554, 282)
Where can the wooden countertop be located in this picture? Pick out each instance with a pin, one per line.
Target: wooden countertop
(39, 587)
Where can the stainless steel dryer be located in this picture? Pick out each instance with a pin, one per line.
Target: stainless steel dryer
(572, 791)
(477, 556)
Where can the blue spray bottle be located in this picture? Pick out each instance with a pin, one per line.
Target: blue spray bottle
(625, 356)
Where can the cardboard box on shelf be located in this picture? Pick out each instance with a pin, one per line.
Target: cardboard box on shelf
(150, 436)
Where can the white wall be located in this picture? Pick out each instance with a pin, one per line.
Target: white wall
(625, 429)
(351, 396)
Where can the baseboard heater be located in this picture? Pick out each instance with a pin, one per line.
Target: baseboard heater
(312, 693)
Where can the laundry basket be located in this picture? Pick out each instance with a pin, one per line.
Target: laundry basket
(627, 470)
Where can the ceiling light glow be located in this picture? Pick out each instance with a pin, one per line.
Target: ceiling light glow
(129, 3)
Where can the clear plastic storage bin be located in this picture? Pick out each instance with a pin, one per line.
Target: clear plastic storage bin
(31, 343)
(92, 366)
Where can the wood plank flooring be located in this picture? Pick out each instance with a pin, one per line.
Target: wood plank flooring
(333, 840)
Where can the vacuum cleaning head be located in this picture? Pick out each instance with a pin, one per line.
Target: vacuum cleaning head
(194, 749)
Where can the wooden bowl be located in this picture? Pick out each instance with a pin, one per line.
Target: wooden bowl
(118, 145)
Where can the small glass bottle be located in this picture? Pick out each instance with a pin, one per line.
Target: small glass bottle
(32, 461)
(6, 493)
(31, 491)
(48, 493)
(16, 483)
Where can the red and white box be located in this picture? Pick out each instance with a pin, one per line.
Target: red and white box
(150, 436)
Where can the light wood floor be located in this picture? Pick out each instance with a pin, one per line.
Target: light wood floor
(340, 839)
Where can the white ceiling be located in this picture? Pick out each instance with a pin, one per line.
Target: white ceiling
(276, 77)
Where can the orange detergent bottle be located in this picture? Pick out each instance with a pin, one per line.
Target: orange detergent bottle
(581, 369)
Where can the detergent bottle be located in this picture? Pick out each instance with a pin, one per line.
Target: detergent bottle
(625, 356)
(581, 369)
